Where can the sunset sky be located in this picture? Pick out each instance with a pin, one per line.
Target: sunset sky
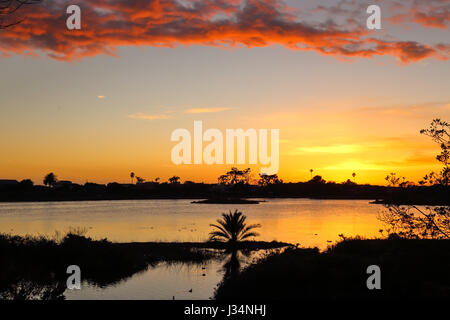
(97, 103)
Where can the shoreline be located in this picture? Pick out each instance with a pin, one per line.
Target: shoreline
(250, 200)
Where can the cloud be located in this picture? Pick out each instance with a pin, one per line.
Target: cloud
(335, 149)
(430, 14)
(100, 97)
(206, 110)
(417, 160)
(355, 165)
(109, 24)
(361, 164)
(413, 110)
(149, 117)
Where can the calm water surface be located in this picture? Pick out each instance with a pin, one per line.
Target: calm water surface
(178, 281)
(304, 221)
(308, 222)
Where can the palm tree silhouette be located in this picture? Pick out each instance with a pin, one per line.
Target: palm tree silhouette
(50, 179)
(232, 228)
(132, 177)
(354, 176)
(311, 171)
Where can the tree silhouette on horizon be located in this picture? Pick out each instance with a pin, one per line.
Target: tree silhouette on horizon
(174, 180)
(268, 180)
(235, 176)
(317, 180)
(139, 180)
(50, 179)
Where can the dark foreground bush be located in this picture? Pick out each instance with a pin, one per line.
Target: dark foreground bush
(409, 269)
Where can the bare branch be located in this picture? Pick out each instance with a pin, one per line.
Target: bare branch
(9, 7)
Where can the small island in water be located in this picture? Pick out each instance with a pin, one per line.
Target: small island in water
(227, 201)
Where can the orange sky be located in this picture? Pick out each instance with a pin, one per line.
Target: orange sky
(335, 144)
(97, 103)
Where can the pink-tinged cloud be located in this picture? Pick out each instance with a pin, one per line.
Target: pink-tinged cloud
(108, 24)
(206, 110)
(143, 116)
(430, 13)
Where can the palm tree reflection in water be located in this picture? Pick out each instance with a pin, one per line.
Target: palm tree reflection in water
(232, 229)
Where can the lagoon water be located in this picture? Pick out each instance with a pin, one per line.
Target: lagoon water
(307, 222)
(165, 281)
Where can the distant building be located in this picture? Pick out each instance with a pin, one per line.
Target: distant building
(148, 185)
(4, 182)
(94, 187)
(63, 183)
(127, 184)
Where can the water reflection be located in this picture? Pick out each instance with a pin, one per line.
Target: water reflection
(235, 259)
(304, 221)
(232, 265)
(308, 222)
(180, 281)
(164, 280)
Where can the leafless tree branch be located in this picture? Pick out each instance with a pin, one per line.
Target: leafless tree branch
(9, 7)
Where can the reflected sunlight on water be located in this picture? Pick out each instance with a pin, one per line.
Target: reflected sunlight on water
(308, 222)
(304, 221)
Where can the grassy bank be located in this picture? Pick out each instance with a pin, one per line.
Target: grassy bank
(409, 269)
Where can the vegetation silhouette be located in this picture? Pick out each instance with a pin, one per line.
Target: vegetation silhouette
(233, 231)
(236, 177)
(236, 186)
(9, 9)
(439, 131)
(174, 180)
(140, 180)
(35, 267)
(411, 269)
(410, 221)
(414, 257)
(269, 180)
(50, 179)
(232, 228)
